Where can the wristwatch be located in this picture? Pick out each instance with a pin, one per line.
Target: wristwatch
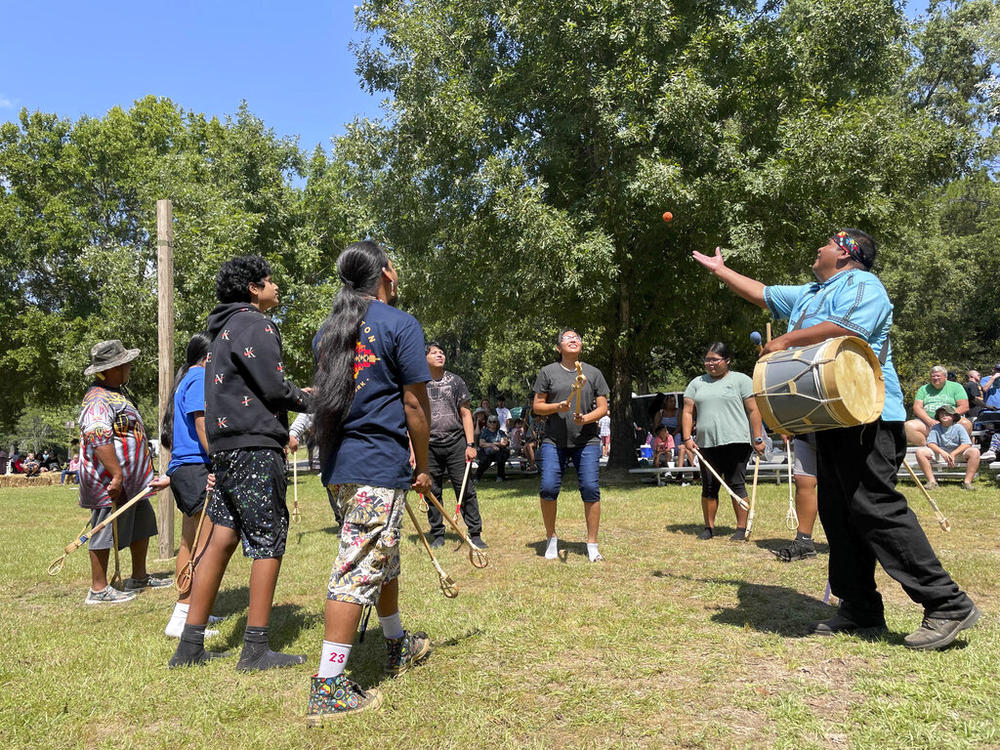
(470, 445)
(758, 440)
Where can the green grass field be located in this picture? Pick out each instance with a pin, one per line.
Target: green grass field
(671, 642)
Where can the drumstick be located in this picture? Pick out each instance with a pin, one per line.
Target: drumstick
(448, 587)
(461, 492)
(736, 498)
(56, 565)
(755, 339)
(942, 521)
(295, 484)
(753, 499)
(791, 517)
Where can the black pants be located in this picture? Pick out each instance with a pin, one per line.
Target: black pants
(449, 460)
(867, 519)
(487, 456)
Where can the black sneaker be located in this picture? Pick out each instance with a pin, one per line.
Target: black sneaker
(437, 542)
(406, 651)
(478, 541)
(842, 624)
(937, 632)
(706, 533)
(740, 535)
(799, 549)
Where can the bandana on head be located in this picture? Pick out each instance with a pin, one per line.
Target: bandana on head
(846, 242)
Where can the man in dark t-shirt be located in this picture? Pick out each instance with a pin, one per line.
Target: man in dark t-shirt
(451, 448)
(570, 434)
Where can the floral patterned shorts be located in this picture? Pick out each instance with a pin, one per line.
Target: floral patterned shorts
(369, 542)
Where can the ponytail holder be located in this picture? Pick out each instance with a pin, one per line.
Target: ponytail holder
(346, 282)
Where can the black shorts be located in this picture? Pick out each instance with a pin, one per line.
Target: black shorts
(188, 485)
(730, 460)
(249, 497)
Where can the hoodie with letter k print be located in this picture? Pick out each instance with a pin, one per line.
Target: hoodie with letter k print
(247, 396)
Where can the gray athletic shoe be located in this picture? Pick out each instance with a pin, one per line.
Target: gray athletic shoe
(109, 595)
(937, 632)
(141, 584)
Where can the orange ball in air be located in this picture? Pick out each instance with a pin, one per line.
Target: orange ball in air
(667, 216)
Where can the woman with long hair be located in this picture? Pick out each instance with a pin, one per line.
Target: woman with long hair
(183, 433)
(727, 422)
(371, 404)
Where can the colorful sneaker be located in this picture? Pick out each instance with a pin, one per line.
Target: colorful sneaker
(406, 651)
(108, 596)
(330, 697)
(140, 584)
(799, 549)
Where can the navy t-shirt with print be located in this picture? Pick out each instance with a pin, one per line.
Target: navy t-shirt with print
(375, 449)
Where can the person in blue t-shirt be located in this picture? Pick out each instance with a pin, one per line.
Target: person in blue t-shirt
(183, 433)
(865, 518)
(371, 406)
(949, 443)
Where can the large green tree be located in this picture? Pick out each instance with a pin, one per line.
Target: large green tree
(529, 149)
(78, 244)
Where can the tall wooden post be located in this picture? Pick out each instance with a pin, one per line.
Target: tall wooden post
(165, 320)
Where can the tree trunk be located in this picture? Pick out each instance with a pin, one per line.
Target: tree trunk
(622, 434)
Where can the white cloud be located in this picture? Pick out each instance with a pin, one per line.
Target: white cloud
(5, 103)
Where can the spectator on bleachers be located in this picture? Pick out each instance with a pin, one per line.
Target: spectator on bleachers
(975, 393)
(951, 444)
(663, 445)
(485, 406)
(939, 392)
(32, 466)
(72, 471)
(478, 423)
(4, 458)
(991, 397)
(503, 414)
(494, 445)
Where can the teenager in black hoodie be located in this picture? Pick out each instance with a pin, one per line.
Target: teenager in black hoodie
(246, 421)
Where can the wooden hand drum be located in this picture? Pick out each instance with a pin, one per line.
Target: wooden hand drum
(836, 383)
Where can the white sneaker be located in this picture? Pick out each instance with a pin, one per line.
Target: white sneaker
(988, 456)
(552, 551)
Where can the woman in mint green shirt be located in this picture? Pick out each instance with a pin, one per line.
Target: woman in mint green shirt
(728, 427)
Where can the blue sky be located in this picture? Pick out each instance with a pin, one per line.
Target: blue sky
(290, 61)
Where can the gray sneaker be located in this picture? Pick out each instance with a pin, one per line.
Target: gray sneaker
(141, 584)
(936, 632)
(109, 596)
(988, 456)
(968, 486)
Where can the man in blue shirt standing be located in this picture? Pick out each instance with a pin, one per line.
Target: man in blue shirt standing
(865, 518)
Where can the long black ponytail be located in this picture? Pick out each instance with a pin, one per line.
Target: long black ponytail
(360, 267)
(197, 348)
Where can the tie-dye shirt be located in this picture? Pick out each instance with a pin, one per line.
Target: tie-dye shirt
(109, 417)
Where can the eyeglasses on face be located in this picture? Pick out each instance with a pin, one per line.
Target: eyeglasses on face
(572, 337)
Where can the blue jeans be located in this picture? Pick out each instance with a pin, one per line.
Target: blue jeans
(553, 461)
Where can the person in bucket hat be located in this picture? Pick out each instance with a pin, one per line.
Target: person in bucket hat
(115, 465)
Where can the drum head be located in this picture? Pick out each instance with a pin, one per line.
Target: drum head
(855, 379)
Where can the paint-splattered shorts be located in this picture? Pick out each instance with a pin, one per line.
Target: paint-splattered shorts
(369, 542)
(249, 497)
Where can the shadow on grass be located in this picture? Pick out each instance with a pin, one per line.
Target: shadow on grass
(287, 621)
(766, 608)
(776, 543)
(693, 529)
(367, 665)
(566, 549)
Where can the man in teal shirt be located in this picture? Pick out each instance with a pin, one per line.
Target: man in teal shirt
(865, 517)
(931, 397)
